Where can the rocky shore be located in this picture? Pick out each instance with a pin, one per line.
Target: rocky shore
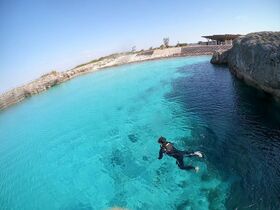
(54, 78)
(255, 58)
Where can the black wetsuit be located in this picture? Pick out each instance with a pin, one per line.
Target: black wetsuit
(179, 155)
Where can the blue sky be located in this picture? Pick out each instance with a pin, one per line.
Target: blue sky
(43, 35)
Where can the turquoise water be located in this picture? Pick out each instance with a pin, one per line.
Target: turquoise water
(91, 143)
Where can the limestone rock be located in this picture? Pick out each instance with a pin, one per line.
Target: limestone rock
(255, 58)
(220, 57)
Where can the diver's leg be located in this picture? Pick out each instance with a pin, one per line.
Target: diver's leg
(193, 154)
(182, 166)
(189, 167)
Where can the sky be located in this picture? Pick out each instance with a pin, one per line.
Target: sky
(38, 36)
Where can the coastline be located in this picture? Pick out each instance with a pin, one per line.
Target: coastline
(254, 58)
(54, 78)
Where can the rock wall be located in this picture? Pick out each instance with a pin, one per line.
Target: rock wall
(255, 58)
(54, 78)
(220, 57)
(43, 83)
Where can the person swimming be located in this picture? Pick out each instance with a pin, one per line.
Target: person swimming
(168, 148)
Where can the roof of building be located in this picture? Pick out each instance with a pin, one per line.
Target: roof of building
(222, 37)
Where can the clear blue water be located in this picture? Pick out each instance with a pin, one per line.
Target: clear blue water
(91, 143)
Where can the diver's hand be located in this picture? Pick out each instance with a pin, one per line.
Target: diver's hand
(199, 154)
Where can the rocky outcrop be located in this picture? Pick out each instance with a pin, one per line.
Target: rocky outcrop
(54, 78)
(255, 58)
(220, 57)
(43, 83)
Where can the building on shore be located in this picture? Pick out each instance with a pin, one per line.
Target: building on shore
(220, 39)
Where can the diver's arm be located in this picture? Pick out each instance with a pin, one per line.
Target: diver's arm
(160, 155)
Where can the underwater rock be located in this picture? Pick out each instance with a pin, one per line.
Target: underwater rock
(145, 158)
(183, 205)
(133, 138)
(117, 158)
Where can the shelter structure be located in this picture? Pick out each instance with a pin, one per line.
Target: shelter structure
(221, 39)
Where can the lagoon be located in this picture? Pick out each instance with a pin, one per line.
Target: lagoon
(91, 143)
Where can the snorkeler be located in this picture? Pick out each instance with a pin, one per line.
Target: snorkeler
(170, 150)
